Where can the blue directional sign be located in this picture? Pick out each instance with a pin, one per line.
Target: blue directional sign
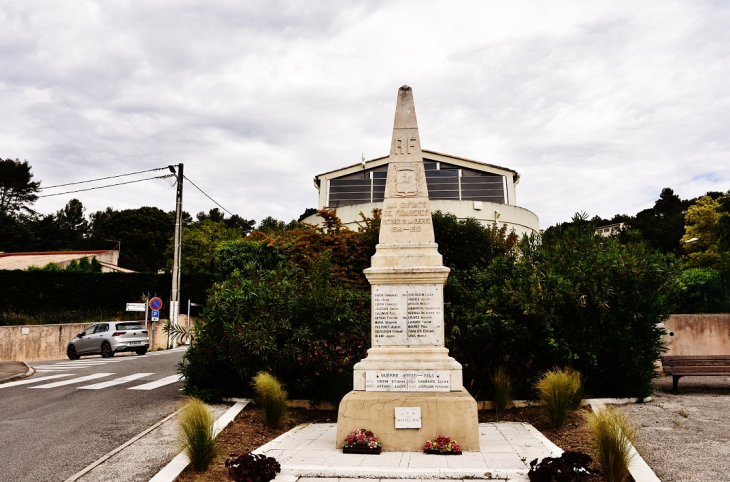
(155, 315)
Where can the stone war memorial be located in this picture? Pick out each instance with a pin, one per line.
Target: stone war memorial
(408, 389)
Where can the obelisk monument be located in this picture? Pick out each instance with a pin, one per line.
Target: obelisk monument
(408, 370)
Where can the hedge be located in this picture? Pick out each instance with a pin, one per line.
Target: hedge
(39, 293)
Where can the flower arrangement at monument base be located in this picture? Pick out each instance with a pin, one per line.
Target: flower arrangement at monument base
(361, 441)
(442, 446)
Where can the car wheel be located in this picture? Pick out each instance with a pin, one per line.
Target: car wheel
(142, 351)
(106, 350)
(71, 353)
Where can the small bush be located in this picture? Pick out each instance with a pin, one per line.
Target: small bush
(612, 438)
(272, 398)
(253, 468)
(197, 438)
(502, 390)
(569, 467)
(561, 393)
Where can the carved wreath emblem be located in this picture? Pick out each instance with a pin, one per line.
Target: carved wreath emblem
(409, 180)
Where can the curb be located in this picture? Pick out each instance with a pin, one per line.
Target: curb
(638, 468)
(19, 376)
(170, 471)
(126, 444)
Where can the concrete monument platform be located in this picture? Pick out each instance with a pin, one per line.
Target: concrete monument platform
(308, 454)
(451, 414)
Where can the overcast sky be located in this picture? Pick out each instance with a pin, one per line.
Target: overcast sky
(598, 105)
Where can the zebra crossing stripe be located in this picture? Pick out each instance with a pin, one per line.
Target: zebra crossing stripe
(118, 381)
(159, 383)
(74, 380)
(33, 380)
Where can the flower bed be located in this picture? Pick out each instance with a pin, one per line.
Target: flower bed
(361, 441)
(442, 446)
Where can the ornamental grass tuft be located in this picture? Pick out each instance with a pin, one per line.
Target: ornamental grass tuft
(612, 437)
(502, 390)
(272, 397)
(561, 393)
(196, 437)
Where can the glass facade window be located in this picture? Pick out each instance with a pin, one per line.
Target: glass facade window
(444, 181)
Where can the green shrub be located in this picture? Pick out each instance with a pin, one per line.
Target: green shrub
(272, 397)
(502, 384)
(612, 439)
(197, 434)
(302, 325)
(561, 393)
(566, 298)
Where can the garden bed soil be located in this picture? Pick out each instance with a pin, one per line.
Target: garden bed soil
(574, 435)
(248, 432)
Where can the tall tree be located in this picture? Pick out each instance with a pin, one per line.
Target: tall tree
(201, 241)
(144, 233)
(73, 224)
(17, 190)
(701, 239)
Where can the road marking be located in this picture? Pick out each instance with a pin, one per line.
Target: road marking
(33, 380)
(75, 380)
(52, 369)
(118, 381)
(78, 363)
(159, 383)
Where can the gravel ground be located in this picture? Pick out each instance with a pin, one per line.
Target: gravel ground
(685, 437)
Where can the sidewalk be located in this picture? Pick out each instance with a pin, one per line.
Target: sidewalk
(309, 452)
(12, 370)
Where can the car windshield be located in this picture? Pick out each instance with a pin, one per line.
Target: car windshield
(89, 330)
(129, 326)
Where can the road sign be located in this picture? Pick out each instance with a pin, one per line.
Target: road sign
(155, 304)
(135, 307)
(155, 315)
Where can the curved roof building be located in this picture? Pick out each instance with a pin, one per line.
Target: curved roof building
(459, 186)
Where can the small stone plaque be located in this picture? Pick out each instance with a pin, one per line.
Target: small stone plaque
(25, 331)
(407, 381)
(407, 417)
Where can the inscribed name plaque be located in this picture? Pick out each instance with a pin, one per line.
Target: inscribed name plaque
(407, 417)
(408, 315)
(407, 381)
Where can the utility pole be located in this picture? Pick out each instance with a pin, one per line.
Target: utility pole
(175, 301)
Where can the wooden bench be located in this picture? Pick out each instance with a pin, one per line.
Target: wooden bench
(695, 365)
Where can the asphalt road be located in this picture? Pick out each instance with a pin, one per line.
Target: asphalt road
(50, 432)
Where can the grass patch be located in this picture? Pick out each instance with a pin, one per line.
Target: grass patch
(502, 390)
(196, 434)
(612, 437)
(271, 396)
(561, 393)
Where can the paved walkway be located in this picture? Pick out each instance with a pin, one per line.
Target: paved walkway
(307, 453)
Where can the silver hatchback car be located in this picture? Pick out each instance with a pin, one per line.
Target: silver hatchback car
(108, 338)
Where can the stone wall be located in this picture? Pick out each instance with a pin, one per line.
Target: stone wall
(48, 342)
(707, 334)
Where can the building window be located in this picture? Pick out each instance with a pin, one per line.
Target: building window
(444, 181)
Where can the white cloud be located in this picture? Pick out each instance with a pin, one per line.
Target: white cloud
(598, 105)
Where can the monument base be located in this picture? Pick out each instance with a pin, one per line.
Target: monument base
(451, 414)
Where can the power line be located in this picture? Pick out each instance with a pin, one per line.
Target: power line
(101, 179)
(206, 195)
(111, 185)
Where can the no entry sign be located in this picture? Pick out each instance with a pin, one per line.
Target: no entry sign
(155, 304)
